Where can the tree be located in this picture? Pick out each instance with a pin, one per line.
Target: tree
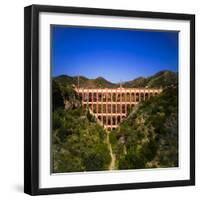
(57, 98)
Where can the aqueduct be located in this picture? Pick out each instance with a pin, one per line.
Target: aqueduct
(110, 106)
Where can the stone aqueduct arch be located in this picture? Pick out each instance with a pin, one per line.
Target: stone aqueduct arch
(110, 106)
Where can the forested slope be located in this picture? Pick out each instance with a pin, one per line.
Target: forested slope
(149, 136)
(79, 143)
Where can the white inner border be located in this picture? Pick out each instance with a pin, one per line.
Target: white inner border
(48, 180)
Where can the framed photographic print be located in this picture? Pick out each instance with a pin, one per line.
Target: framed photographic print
(109, 100)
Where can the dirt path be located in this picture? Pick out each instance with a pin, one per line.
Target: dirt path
(112, 163)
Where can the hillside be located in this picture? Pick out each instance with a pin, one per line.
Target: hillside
(160, 79)
(78, 142)
(148, 138)
(85, 82)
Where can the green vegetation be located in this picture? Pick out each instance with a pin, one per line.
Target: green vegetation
(161, 79)
(85, 82)
(147, 138)
(79, 143)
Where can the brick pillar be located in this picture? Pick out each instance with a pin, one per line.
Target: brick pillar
(92, 100)
(120, 104)
(106, 108)
(111, 108)
(83, 97)
(135, 93)
(116, 95)
(149, 93)
(102, 105)
(139, 96)
(87, 97)
(135, 100)
(116, 101)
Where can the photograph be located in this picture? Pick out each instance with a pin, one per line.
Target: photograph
(114, 99)
(109, 99)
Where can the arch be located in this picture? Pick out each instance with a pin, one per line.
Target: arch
(85, 98)
(104, 108)
(141, 96)
(99, 96)
(90, 96)
(113, 108)
(118, 108)
(109, 108)
(133, 96)
(99, 118)
(94, 109)
(123, 108)
(128, 108)
(128, 97)
(113, 120)
(104, 120)
(104, 97)
(137, 96)
(99, 108)
(123, 97)
(109, 120)
(109, 96)
(147, 95)
(114, 97)
(94, 96)
(118, 97)
(118, 119)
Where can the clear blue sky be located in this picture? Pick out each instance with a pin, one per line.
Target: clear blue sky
(115, 54)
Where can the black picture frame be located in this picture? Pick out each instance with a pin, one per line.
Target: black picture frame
(31, 99)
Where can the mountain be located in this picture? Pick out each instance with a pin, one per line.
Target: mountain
(161, 79)
(84, 82)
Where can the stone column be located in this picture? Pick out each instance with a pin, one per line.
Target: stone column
(139, 95)
(111, 107)
(116, 95)
(106, 108)
(120, 104)
(135, 94)
(135, 99)
(102, 105)
(87, 97)
(92, 100)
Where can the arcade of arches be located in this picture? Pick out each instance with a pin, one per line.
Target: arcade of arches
(111, 106)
